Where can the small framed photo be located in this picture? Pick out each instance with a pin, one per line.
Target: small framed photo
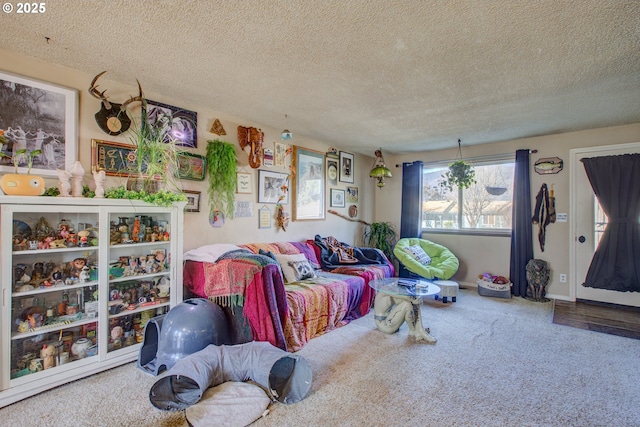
(332, 172)
(193, 201)
(280, 154)
(337, 198)
(267, 156)
(352, 194)
(192, 166)
(346, 167)
(272, 186)
(175, 122)
(243, 183)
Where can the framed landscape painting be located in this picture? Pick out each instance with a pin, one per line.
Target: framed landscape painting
(35, 115)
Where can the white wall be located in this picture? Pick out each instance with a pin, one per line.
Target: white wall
(197, 230)
(478, 254)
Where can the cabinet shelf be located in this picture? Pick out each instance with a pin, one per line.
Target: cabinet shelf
(137, 245)
(139, 277)
(139, 309)
(55, 250)
(60, 326)
(55, 288)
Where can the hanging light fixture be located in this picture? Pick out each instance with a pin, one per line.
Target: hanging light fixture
(379, 171)
(286, 134)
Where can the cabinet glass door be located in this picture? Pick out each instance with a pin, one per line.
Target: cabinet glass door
(139, 274)
(53, 280)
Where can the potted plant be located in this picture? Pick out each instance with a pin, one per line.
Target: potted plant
(222, 164)
(460, 175)
(381, 235)
(15, 184)
(155, 159)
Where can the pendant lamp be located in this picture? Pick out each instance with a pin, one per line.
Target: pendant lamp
(379, 171)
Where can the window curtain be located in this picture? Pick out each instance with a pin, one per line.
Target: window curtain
(616, 183)
(411, 219)
(521, 232)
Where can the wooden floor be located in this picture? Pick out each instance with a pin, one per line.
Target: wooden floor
(607, 318)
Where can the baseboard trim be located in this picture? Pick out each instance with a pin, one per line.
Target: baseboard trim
(560, 297)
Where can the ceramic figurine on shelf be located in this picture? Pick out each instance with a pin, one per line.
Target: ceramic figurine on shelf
(64, 185)
(99, 177)
(77, 174)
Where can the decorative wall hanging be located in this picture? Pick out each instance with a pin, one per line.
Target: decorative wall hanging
(191, 166)
(216, 218)
(112, 118)
(176, 124)
(548, 165)
(267, 155)
(332, 171)
(21, 101)
(111, 157)
(280, 157)
(352, 194)
(193, 201)
(253, 138)
(309, 187)
(353, 211)
(337, 198)
(272, 187)
(346, 167)
(286, 134)
(243, 209)
(264, 220)
(217, 128)
(243, 183)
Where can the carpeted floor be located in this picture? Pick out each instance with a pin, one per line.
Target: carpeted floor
(497, 362)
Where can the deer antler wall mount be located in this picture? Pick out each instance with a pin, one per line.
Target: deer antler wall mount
(254, 138)
(112, 117)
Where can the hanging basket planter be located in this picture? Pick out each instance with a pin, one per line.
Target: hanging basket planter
(460, 174)
(496, 191)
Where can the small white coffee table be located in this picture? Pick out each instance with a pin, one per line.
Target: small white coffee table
(399, 300)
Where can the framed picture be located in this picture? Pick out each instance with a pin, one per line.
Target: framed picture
(192, 166)
(178, 123)
(38, 116)
(332, 172)
(280, 156)
(308, 188)
(352, 194)
(265, 217)
(112, 157)
(346, 167)
(193, 201)
(337, 198)
(270, 187)
(243, 183)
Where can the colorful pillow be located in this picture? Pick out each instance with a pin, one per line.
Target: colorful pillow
(418, 254)
(295, 267)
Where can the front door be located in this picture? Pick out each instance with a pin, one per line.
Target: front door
(588, 221)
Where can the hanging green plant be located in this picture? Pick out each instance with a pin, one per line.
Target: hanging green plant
(460, 174)
(221, 170)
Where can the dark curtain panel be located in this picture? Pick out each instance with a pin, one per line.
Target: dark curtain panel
(616, 183)
(411, 219)
(521, 234)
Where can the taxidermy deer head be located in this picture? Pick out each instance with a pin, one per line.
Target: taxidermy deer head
(112, 118)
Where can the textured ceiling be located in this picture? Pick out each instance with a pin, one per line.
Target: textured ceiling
(402, 75)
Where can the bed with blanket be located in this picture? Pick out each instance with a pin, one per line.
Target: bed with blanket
(279, 292)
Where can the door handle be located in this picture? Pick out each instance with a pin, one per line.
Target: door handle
(582, 239)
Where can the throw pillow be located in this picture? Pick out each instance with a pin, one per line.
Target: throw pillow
(295, 267)
(418, 254)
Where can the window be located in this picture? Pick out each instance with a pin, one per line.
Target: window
(484, 207)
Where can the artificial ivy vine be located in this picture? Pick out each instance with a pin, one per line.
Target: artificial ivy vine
(222, 164)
